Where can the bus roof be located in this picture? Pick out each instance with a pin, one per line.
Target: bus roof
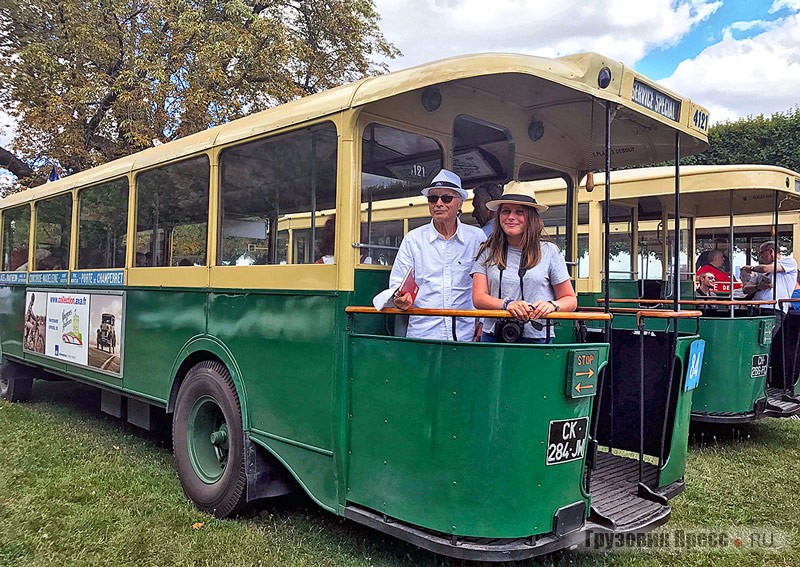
(704, 188)
(645, 119)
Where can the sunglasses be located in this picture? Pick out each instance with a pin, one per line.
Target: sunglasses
(445, 198)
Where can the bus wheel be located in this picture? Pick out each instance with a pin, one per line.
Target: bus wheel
(208, 440)
(15, 386)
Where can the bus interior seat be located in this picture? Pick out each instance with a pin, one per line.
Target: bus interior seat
(650, 289)
(623, 289)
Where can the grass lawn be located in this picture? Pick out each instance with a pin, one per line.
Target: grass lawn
(80, 489)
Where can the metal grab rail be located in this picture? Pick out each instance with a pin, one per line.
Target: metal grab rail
(781, 302)
(640, 316)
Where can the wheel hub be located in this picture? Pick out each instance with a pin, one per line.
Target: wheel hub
(207, 440)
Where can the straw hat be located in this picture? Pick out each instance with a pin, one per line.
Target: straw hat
(447, 180)
(517, 193)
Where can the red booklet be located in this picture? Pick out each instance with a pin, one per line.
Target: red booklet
(408, 285)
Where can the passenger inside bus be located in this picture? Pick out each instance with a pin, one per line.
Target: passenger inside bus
(705, 285)
(325, 245)
(715, 266)
(537, 281)
(720, 244)
(760, 278)
(481, 195)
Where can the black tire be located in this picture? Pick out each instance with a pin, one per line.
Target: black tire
(15, 385)
(208, 440)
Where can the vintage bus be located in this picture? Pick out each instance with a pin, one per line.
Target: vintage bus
(236, 263)
(745, 374)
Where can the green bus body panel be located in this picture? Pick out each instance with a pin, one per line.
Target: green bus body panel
(12, 317)
(158, 323)
(725, 382)
(675, 465)
(418, 456)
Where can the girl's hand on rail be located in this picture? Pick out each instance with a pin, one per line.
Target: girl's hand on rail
(404, 301)
(520, 309)
(541, 308)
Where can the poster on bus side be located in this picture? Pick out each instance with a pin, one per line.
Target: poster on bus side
(80, 328)
(67, 336)
(33, 333)
(105, 332)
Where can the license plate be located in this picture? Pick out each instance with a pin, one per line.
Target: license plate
(760, 366)
(566, 440)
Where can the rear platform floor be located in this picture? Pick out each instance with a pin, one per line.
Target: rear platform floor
(614, 488)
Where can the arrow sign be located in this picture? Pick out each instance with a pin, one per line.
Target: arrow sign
(582, 373)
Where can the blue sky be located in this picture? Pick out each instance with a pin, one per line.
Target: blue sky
(736, 57)
(661, 62)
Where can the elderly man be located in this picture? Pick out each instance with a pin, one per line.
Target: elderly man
(440, 257)
(716, 262)
(760, 278)
(481, 195)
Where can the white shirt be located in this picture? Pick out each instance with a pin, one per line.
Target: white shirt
(785, 283)
(442, 269)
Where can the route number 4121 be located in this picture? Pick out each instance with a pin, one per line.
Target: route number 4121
(700, 120)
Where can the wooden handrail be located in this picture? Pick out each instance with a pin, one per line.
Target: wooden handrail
(651, 313)
(782, 302)
(491, 313)
(659, 314)
(726, 302)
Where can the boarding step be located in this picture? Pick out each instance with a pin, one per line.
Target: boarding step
(781, 403)
(616, 503)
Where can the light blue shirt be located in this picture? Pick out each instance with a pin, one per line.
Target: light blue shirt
(442, 269)
(488, 227)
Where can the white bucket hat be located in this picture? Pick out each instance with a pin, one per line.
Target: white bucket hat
(517, 193)
(447, 180)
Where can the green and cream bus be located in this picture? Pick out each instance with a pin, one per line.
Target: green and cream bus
(188, 277)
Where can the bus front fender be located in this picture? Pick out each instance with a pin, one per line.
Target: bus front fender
(203, 347)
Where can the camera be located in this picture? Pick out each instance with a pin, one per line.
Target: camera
(509, 330)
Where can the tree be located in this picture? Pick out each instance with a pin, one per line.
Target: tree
(773, 140)
(88, 82)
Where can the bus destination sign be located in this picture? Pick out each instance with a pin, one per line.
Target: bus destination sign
(654, 100)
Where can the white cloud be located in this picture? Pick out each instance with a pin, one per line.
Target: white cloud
(426, 30)
(777, 5)
(738, 78)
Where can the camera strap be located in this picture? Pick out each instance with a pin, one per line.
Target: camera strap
(521, 272)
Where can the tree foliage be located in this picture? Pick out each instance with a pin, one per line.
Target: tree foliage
(88, 82)
(773, 140)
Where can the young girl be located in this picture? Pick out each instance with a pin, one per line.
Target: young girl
(518, 270)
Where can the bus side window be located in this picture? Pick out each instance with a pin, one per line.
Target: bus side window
(52, 234)
(395, 165)
(16, 232)
(102, 225)
(271, 193)
(172, 214)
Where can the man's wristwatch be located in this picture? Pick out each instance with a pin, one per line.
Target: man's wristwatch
(553, 303)
(506, 302)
